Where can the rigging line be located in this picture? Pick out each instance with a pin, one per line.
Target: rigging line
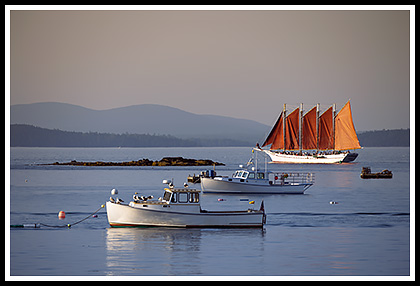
(77, 222)
(102, 206)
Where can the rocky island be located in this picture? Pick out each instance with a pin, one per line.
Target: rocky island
(166, 161)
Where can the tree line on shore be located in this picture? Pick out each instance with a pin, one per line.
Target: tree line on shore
(22, 135)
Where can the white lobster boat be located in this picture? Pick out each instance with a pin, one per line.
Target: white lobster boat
(179, 208)
(251, 180)
(246, 182)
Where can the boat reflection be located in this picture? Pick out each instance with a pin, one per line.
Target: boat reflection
(163, 251)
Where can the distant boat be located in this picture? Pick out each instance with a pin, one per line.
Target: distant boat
(179, 207)
(367, 174)
(251, 180)
(313, 138)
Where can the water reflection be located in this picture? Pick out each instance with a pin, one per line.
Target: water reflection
(168, 251)
(340, 253)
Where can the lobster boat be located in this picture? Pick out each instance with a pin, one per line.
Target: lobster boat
(252, 180)
(367, 174)
(178, 207)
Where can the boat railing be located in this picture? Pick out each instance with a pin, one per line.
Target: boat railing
(291, 178)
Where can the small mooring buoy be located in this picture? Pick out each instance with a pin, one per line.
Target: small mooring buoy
(252, 202)
(220, 200)
(333, 203)
(61, 215)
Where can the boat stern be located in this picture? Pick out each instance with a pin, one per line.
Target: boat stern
(350, 157)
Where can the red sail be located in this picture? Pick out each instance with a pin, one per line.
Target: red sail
(275, 138)
(345, 134)
(292, 130)
(326, 141)
(309, 130)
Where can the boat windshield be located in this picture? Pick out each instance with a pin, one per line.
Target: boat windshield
(184, 197)
(241, 174)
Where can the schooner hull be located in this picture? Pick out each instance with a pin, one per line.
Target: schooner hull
(303, 159)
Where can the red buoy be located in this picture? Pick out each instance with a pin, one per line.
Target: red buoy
(61, 215)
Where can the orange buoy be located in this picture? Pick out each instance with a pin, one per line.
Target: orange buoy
(61, 215)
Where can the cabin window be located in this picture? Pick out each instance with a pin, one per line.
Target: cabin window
(194, 198)
(183, 197)
(167, 196)
(260, 175)
(173, 199)
(251, 176)
(245, 174)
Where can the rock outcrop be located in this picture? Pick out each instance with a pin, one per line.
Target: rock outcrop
(166, 161)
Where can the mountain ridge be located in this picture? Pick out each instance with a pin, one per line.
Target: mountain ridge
(136, 119)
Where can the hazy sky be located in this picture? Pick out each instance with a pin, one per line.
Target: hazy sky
(244, 64)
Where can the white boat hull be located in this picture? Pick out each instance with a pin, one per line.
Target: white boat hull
(219, 185)
(120, 215)
(303, 159)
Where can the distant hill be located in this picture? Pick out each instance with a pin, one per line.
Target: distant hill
(385, 138)
(137, 119)
(22, 135)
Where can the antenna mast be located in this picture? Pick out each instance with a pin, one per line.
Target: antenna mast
(300, 128)
(317, 128)
(333, 124)
(284, 127)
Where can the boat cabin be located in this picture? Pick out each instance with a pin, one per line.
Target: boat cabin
(181, 196)
(242, 174)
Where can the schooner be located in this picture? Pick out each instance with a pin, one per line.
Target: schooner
(313, 138)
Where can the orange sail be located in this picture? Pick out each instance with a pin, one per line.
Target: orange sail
(275, 138)
(345, 134)
(309, 130)
(292, 130)
(326, 130)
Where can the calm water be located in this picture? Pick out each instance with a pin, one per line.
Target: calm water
(366, 233)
